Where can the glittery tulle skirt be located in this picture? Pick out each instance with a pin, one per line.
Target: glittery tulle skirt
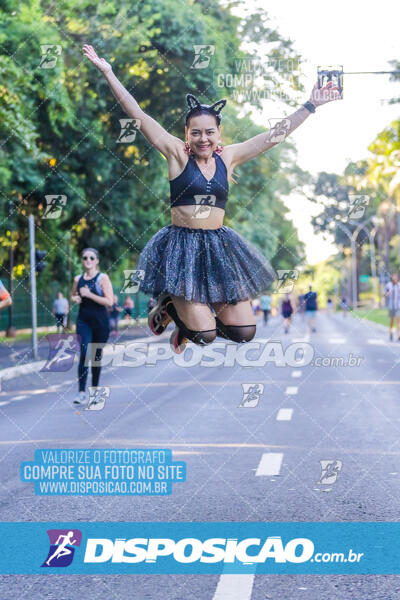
(203, 265)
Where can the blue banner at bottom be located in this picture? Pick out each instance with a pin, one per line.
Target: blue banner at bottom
(195, 547)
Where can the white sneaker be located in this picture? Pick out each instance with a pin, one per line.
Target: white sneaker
(80, 398)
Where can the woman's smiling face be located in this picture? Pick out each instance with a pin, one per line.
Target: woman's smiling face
(203, 134)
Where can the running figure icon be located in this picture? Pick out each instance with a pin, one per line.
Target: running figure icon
(62, 550)
(62, 346)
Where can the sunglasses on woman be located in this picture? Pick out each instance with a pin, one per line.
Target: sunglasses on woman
(88, 258)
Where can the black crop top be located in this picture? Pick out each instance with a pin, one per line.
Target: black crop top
(191, 187)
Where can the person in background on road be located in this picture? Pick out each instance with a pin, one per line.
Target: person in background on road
(344, 306)
(393, 303)
(113, 315)
(329, 306)
(310, 300)
(255, 304)
(287, 311)
(92, 290)
(5, 298)
(301, 305)
(265, 303)
(60, 311)
(151, 304)
(128, 306)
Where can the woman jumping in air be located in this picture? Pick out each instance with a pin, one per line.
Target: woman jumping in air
(202, 272)
(92, 290)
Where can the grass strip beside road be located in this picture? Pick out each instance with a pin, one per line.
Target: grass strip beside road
(377, 315)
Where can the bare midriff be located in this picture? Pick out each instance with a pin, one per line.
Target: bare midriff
(211, 217)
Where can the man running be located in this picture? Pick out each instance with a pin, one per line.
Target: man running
(310, 300)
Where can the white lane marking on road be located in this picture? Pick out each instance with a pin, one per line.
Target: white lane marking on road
(18, 398)
(270, 463)
(296, 373)
(234, 587)
(376, 341)
(4, 403)
(337, 340)
(284, 414)
(291, 390)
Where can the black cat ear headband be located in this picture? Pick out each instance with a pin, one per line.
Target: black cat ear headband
(194, 106)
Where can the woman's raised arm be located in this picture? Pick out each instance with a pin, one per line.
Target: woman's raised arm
(245, 151)
(159, 137)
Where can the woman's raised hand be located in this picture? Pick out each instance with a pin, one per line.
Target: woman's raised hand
(325, 94)
(100, 63)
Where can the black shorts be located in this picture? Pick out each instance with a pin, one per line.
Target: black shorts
(61, 320)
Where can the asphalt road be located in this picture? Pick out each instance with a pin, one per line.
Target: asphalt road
(244, 463)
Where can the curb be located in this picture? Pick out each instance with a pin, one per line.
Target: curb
(35, 366)
(378, 326)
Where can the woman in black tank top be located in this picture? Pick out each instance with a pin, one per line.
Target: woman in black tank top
(203, 278)
(92, 290)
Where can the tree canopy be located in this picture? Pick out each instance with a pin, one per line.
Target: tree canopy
(60, 125)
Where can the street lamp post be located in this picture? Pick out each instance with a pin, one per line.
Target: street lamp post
(353, 239)
(31, 223)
